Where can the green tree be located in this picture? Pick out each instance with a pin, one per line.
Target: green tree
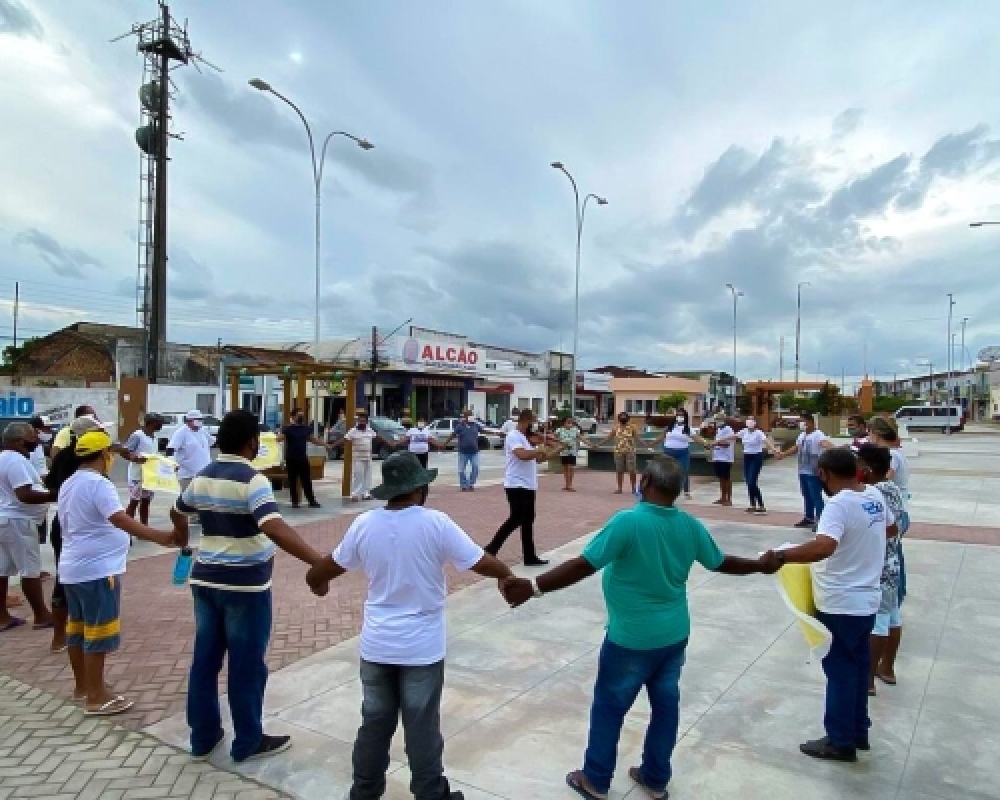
(12, 354)
(828, 400)
(673, 400)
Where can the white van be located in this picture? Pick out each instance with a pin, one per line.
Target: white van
(937, 418)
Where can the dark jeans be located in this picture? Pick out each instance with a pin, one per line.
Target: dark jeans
(55, 536)
(298, 472)
(237, 625)
(415, 693)
(812, 496)
(621, 674)
(683, 457)
(846, 667)
(753, 463)
(522, 515)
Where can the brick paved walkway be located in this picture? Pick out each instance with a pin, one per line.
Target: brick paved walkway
(49, 749)
(152, 665)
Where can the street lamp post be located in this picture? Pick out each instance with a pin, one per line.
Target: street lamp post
(947, 381)
(737, 294)
(581, 210)
(798, 325)
(317, 168)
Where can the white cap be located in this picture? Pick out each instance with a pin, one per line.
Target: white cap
(195, 414)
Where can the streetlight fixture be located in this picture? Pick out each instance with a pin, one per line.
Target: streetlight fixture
(737, 294)
(798, 325)
(317, 168)
(984, 222)
(581, 210)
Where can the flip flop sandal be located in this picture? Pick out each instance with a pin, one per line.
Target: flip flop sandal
(636, 777)
(574, 781)
(118, 705)
(15, 622)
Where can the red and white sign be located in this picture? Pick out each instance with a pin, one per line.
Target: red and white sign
(439, 355)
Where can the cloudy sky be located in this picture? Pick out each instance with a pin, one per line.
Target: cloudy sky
(759, 144)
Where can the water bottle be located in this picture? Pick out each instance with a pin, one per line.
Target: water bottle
(182, 566)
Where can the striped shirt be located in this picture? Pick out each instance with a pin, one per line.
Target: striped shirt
(232, 500)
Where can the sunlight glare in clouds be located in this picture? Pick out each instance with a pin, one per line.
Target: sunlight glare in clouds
(295, 57)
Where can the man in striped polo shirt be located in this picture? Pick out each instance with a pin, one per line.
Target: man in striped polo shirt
(231, 585)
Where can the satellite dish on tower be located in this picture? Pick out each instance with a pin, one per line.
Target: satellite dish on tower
(989, 354)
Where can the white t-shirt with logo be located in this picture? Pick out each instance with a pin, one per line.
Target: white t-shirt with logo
(420, 440)
(192, 450)
(518, 474)
(849, 581)
(139, 444)
(16, 471)
(676, 439)
(753, 441)
(361, 443)
(810, 449)
(725, 454)
(92, 548)
(403, 554)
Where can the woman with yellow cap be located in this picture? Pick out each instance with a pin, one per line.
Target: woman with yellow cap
(96, 530)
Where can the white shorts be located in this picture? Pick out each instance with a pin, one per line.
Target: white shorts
(20, 550)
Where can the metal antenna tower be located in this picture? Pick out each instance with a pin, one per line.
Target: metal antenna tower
(163, 45)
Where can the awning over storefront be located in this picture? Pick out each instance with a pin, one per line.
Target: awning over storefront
(495, 388)
(444, 383)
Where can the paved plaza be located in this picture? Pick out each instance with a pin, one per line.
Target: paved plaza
(519, 682)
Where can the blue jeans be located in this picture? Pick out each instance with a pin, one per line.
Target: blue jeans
(388, 692)
(846, 667)
(753, 463)
(621, 673)
(237, 625)
(812, 495)
(683, 457)
(470, 460)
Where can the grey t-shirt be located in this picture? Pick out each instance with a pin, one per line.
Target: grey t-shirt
(809, 452)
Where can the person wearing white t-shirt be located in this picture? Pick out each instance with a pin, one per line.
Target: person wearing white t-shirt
(676, 440)
(362, 438)
(520, 484)
(23, 505)
(885, 433)
(723, 457)
(191, 446)
(810, 444)
(510, 425)
(755, 441)
(138, 446)
(847, 557)
(402, 549)
(418, 441)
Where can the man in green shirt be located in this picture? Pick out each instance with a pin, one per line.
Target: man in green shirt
(646, 553)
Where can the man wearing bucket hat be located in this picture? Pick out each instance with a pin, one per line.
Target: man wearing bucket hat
(403, 549)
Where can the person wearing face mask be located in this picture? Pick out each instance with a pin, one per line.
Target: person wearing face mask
(626, 439)
(62, 438)
(754, 442)
(676, 440)
(191, 446)
(467, 431)
(362, 438)
(43, 427)
(96, 538)
(403, 549)
(809, 446)
(140, 444)
(297, 437)
(23, 505)
(847, 557)
(418, 441)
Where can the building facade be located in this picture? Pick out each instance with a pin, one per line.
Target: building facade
(638, 396)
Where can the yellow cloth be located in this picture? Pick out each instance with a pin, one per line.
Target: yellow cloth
(269, 454)
(159, 474)
(796, 588)
(62, 438)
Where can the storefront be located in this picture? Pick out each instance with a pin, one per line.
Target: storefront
(594, 395)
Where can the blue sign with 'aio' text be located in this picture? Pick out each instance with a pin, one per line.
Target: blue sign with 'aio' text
(14, 406)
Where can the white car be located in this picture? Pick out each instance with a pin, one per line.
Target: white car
(441, 429)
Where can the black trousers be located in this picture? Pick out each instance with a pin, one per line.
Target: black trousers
(522, 515)
(55, 536)
(298, 472)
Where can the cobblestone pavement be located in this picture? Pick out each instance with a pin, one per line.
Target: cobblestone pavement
(49, 749)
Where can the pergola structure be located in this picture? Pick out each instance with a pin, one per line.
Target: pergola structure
(294, 368)
(761, 394)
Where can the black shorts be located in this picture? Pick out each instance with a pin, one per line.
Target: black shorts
(723, 470)
(568, 461)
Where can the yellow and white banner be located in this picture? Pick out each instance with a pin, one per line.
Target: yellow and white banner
(269, 454)
(159, 474)
(796, 589)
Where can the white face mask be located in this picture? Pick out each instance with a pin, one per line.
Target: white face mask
(196, 424)
(751, 424)
(44, 437)
(802, 425)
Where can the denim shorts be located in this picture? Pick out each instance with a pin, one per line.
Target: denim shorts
(883, 622)
(94, 609)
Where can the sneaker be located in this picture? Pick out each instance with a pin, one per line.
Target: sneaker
(636, 775)
(315, 505)
(269, 746)
(761, 510)
(827, 751)
(804, 523)
(208, 753)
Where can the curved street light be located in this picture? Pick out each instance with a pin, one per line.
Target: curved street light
(317, 168)
(581, 211)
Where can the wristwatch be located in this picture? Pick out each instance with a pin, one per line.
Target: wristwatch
(535, 591)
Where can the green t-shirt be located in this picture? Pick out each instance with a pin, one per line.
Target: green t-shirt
(647, 553)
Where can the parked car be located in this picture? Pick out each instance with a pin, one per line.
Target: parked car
(388, 429)
(441, 429)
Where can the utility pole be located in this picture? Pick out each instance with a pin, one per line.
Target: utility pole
(372, 409)
(781, 360)
(947, 382)
(798, 325)
(17, 303)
